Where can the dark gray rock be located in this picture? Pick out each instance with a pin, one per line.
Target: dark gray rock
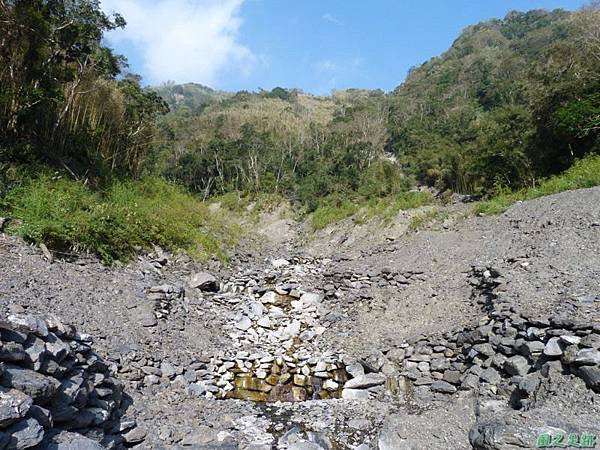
(423, 381)
(490, 375)
(57, 347)
(443, 387)
(484, 349)
(12, 352)
(204, 281)
(587, 357)
(4, 440)
(529, 384)
(452, 376)
(591, 341)
(14, 405)
(12, 335)
(469, 381)
(27, 324)
(25, 434)
(69, 441)
(470, 337)
(145, 316)
(63, 413)
(532, 348)
(42, 415)
(517, 365)
(497, 435)
(591, 376)
(35, 348)
(39, 387)
(374, 361)
(135, 436)
(439, 364)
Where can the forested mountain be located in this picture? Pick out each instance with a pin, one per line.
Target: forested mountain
(283, 141)
(192, 96)
(511, 101)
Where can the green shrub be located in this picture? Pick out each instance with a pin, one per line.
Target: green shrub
(585, 173)
(334, 209)
(426, 218)
(387, 208)
(334, 212)
(115, 224)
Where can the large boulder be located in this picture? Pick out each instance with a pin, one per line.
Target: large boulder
(39, 387)
(497, 435)
(204, 281)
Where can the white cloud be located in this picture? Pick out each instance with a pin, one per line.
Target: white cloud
(327, 17)
(183, 40)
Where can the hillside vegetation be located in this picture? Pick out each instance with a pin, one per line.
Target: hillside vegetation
(76, 134)
(190, 97)
(510, 104)
(513, 100)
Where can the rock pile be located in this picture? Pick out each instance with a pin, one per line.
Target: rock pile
(274, 349)
(163, 297)
(276, 358)
(339, 281)
(55, 390)
(507, 353)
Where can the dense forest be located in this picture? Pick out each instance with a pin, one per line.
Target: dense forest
(87, 153)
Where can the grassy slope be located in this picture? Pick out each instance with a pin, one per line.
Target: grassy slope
(384, 208)
(117, 223)
(585, 173)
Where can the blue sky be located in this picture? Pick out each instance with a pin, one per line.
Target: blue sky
(314, 45)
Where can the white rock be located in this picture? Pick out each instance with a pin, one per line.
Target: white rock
(355, 394)
(321, 366)
(291, 330)
(269, 297)
(355, 370)
(307, 335)
(264, 322)
(311, 298)
(244, 323)
(257, 309)
(365, 381)
(570, 339)
(279, 263)
(330, 385)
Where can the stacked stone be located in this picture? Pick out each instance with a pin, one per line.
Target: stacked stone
(506, 352)
(274, 330)
(277, 322)
(52, 383)
(282, 378)
(163, 298)
(363, 385)
(337, 283)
